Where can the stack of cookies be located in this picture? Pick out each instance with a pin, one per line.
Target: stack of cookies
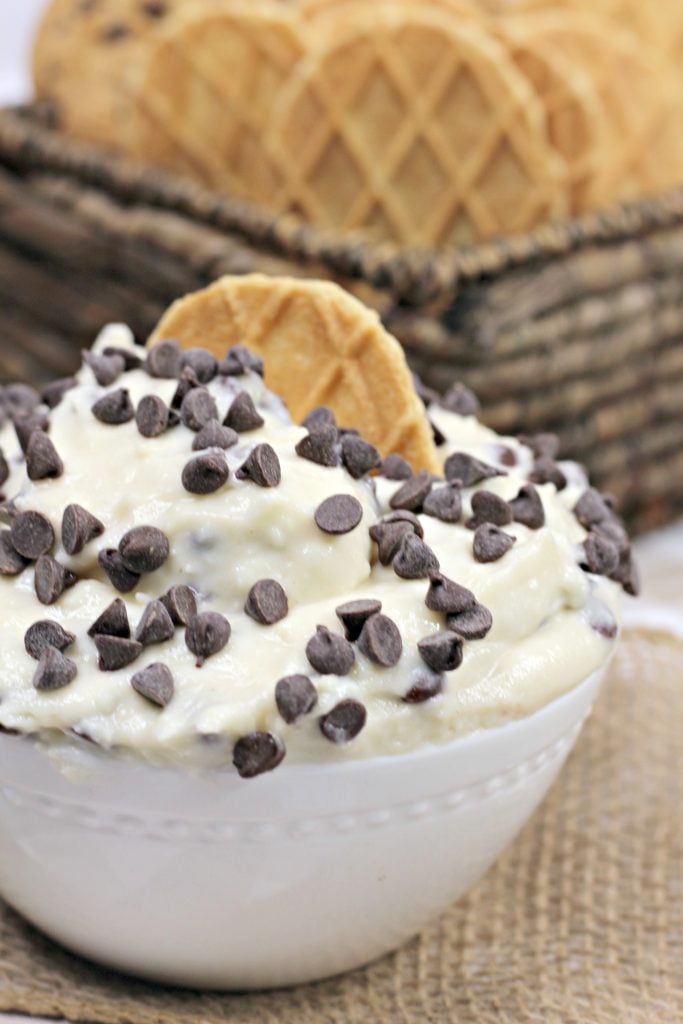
(420, 122)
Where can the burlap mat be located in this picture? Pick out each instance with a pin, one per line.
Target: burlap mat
(580, 923)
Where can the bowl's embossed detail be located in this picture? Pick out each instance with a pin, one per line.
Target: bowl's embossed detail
(187, 830)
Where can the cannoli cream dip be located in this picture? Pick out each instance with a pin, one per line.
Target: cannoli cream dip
(188, 576)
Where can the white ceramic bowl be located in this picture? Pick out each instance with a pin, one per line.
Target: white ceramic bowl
(215, 881)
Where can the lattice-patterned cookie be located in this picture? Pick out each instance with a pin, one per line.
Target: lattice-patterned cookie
(638, 94)
(417, 127)
(321, 347)
(206, 90)
(577, 120)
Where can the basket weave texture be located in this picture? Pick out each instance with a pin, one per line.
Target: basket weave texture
(575, 328)
(581, 922)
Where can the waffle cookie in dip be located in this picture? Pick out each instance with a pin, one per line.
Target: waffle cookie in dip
(190, 577)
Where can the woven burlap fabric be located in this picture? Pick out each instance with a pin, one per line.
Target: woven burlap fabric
(581, 922)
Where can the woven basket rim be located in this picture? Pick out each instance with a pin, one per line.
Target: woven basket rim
(412, 276)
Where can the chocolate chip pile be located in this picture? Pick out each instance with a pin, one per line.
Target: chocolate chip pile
(396, 540)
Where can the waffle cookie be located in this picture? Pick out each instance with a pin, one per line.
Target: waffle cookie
(639, 97)
(417, 127)
(321, 346)
(206, 89)
(578, 126)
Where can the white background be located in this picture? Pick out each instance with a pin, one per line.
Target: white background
(17, 22)
(661, 555)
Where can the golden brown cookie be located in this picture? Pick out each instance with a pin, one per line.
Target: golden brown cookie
(323, 19)
(321, 347)
(206, 90)
(576, 117)
(86, 54)
(639, 98)
(416, 127)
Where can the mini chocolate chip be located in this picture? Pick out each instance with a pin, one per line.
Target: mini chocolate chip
(344, 721)
(295, 696)
(213, 435)
(112, 622)
(239, 361)
(11, 562)
(605, 628)
(425, 685)
(155, 8)
(402, 515)
(329, 653)
(79, 527)
(20, 399)
(359, 456)
(26, 425)
(44, 634)
(262, 467)
(426, 394)
(53, 393)
(152, 416)
(412, 494)
(51, 579)
(442, 652)
(144, 549)
(186, 383)
(461, 400)
(206, 473)
(613, 530)
(120, 578)
(198, 408)
(388, 537)
(181, 604)
(132, 360)
(319, 418)
(4, 469)
(257, 753)
(446, 596)
(354, 615)
(444, 503)
(207, 634)
(155, 684)
(488, 508)
(600, 555)
(115, 33)
(32, 535)
(592, 509)
(395, 467)
(542, 445)
(527, 508)
(243, 415)
(114, 408)
(155, 626)
(42, 460)
(491, 543)
(54, 671)
(116, 652)
(468, 470)
(507, 456)
(472, 624)
(106, 369)
(380, 641)
(320, 447)
(267, 602)
(165, 359)
(627, 574)
(339, 514)
(203, 362)
(547, 471)
(414, 558)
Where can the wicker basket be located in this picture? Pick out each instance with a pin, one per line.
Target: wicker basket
(576, 328)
